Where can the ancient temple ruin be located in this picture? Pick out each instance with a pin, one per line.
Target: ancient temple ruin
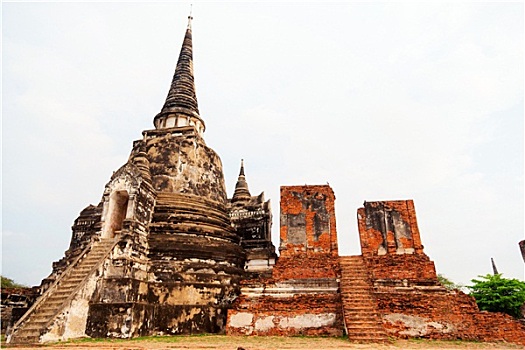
(167, 252)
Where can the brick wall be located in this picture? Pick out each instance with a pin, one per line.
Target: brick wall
(306, 314)
(443, 315)
(306, 266)
(406, 269)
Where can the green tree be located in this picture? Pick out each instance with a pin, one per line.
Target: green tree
(497, 294)
(9, 283)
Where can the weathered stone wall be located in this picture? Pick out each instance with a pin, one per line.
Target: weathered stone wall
(294, 307)
(306, 266)
(124, 276)
(391, 244)
(178, 262)
(196, 264)
(180, 162)
(84, 228)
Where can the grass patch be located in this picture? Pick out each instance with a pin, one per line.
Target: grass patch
(155, 338)
(214, 341)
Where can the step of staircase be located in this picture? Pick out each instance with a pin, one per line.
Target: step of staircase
(362, 320)
(40, 320)
(47, 312)
(42, 315)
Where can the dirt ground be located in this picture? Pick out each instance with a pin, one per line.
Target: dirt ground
(214, 342)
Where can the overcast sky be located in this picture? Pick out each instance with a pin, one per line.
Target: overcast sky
(382, 101)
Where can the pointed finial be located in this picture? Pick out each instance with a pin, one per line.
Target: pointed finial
(241, 194)
(242, 167)
(190, 17)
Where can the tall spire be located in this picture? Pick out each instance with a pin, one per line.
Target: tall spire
(241, 194)
(494, 268)
(180, 107)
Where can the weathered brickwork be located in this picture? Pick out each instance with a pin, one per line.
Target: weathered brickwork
(411, 301)
(308, 234)
(490, 326)
(300, 314)
(440, 314)
(391, 244)
(389, 227)
(410, 269)
(306, 266)
(307, 221)
(84, 229)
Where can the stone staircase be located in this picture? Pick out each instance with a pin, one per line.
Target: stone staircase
(32, 325)
(362, 320)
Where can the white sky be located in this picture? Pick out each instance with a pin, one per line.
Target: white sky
(383, 101)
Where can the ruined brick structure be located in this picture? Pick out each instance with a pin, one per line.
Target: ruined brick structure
(391, 244)
(301, 296)
(308, 234)
(410, 299)
(166, 252)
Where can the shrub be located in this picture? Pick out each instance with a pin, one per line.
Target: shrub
(497, 294)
